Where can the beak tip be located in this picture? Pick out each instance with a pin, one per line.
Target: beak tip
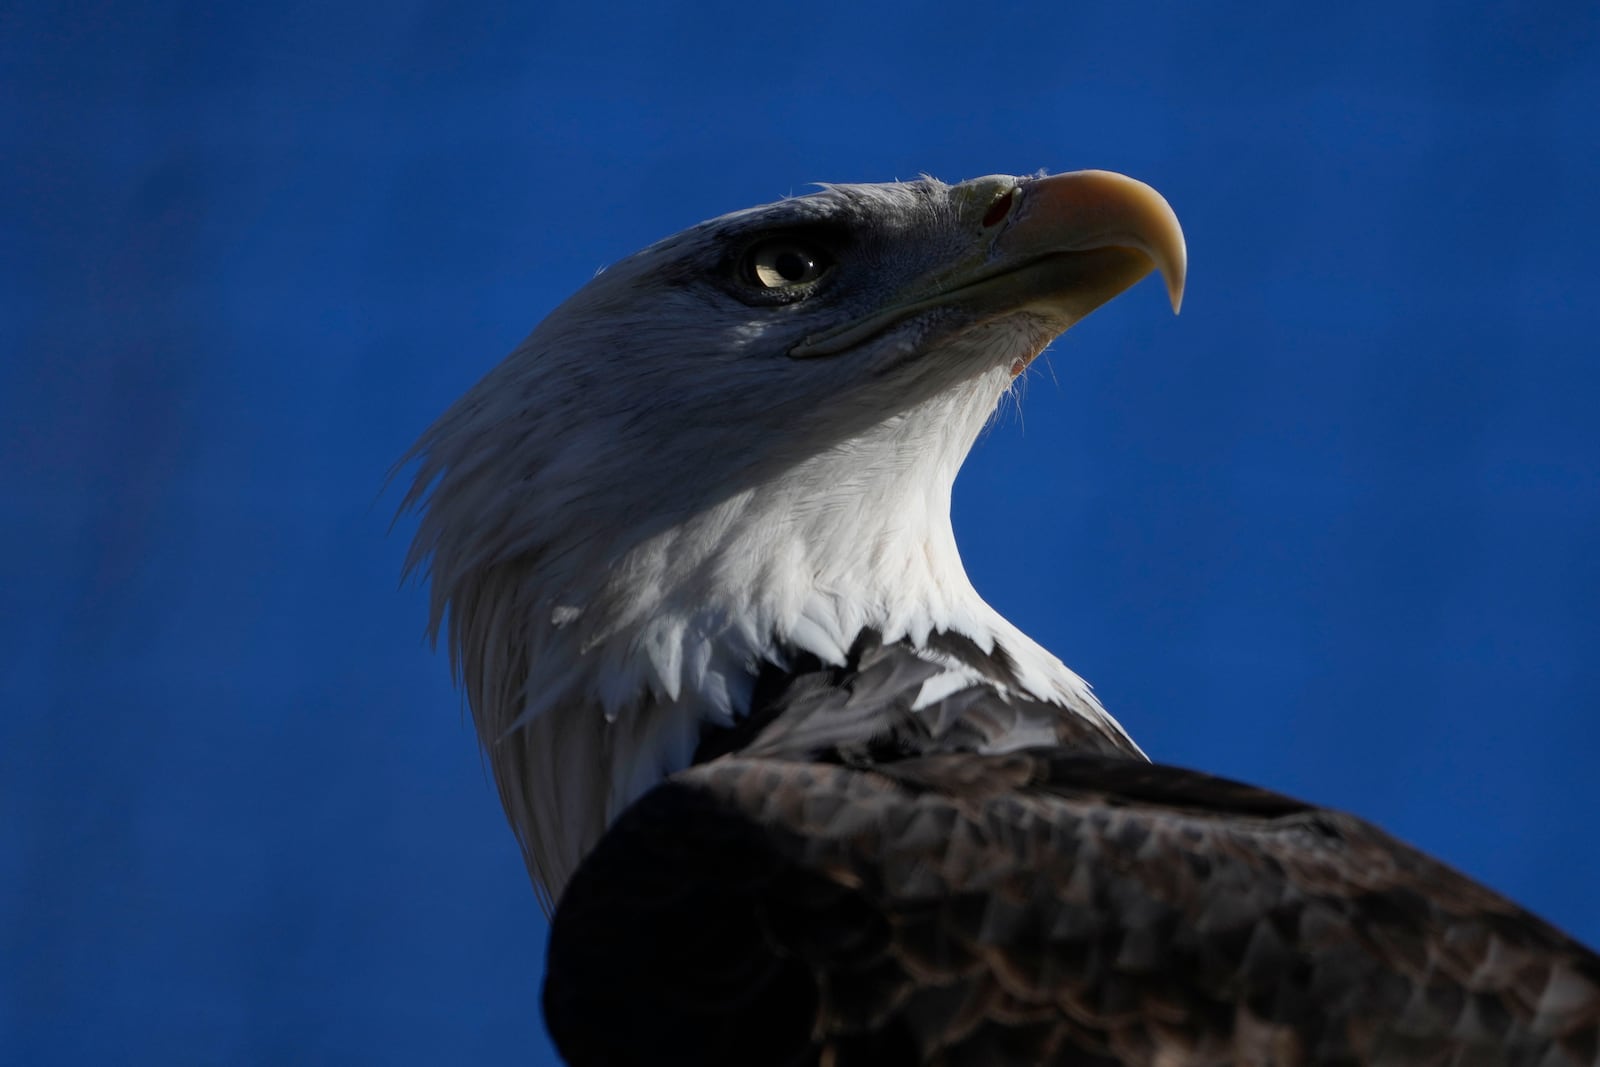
(1173, 263)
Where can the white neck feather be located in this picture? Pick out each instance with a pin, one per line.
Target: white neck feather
(586, 701)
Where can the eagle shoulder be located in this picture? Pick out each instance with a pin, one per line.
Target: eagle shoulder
(1037, 907)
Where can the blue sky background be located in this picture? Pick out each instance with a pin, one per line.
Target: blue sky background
(1335, 530)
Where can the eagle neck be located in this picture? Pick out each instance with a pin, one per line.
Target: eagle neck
(625, 677)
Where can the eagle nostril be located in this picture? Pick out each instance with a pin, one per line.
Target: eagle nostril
(999, 209)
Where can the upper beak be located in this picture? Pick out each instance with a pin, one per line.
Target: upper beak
(1088, 210)
(1057, 247)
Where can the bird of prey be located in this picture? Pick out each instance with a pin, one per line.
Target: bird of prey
(795, 792)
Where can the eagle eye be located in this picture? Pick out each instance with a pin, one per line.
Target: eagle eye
(785, 263)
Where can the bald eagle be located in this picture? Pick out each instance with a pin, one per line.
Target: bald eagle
(795, 793)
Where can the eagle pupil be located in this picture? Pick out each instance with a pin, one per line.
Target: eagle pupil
(793, 266)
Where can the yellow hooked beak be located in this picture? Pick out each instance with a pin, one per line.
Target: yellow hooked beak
(1058, 247)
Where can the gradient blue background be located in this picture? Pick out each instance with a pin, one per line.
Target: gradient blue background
(1335, 530)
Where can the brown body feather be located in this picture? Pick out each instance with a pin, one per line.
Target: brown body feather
(1041, 908)
(1037, 907)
